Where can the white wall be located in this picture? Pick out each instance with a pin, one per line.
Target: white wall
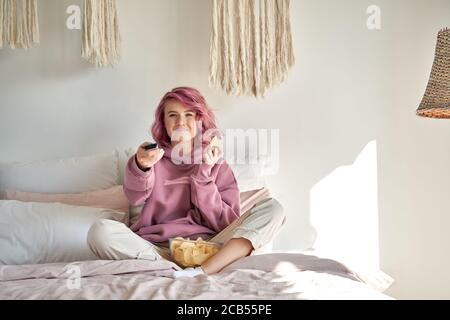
(414, 156)
(349, 87)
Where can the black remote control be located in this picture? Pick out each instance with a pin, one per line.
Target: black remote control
(150, 146)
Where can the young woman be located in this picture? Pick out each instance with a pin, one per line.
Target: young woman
(188, 190)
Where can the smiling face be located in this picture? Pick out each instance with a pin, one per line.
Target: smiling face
(179, 121)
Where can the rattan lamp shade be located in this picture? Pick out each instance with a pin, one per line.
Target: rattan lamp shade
(436, 101)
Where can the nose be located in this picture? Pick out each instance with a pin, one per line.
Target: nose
(180, 121)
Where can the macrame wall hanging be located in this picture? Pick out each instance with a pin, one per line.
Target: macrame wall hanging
(101, 37)
(18, 23)
(251, 46)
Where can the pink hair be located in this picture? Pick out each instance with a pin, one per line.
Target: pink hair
(194, 101)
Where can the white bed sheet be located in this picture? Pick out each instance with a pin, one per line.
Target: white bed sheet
(265, 276)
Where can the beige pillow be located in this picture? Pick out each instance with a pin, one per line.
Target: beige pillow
(111, 198)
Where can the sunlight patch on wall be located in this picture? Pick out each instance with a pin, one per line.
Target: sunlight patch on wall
(344, 211)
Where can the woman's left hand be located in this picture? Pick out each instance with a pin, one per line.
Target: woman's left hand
(212, 155)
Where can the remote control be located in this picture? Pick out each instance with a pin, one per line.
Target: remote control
(150, 146)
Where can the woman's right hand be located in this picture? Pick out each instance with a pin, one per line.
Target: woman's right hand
(147, 158)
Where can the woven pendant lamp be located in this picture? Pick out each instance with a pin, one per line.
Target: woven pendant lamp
(436, 101)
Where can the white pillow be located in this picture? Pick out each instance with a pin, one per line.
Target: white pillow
(252, 176)
(32, 232)
(69, 175)
(249, 177)
(124, 156)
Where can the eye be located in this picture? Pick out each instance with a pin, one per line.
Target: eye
(189, 115)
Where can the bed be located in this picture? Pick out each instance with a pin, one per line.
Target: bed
(38, 260)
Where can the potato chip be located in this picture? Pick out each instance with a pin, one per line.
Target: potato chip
(200, 258)
(175, 244)
(201, 248)
(188, 257)
(187, 245)
(178, 255)
(211, 250)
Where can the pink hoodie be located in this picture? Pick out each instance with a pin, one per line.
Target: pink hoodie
(187, 200)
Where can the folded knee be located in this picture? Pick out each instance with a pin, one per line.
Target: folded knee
(277, 213)
(99, 232)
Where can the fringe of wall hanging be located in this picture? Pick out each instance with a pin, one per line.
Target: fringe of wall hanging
(251, 46)
(101, 37)
(18, 23)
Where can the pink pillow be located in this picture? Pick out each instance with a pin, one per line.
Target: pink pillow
(112, 198)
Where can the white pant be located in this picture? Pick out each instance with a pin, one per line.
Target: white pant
(113, 240)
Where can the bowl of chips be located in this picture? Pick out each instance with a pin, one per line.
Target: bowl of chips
(192, 253)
